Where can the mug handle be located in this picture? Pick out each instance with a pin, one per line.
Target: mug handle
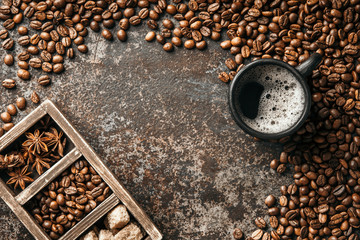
(309, 65)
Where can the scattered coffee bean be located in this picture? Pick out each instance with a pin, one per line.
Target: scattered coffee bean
(23, 74)
(270, 201)
(5, 117)
(35, 97)
(8, 126)
(22, 30)
(260, 223)
(189, 44)
(11, 109)
(160, 39)
(168, 24)
(35, 63)
(121, 35)
(9, 83)
(23, 65)
(168, 47)
(150, 36)
(9, 59)
(4, 34)
(82, 48)
(201, 45)
(58, 68)
(44, 80)
(108, 35)
(21, 103)
(238, 234)
(8, 44)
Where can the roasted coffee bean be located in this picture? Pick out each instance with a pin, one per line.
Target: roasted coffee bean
(270, 201)
(44, 80)
(8, 44)
(176, 41)
(230, 63)
(33, 50)
(11, 109)
(57, 59)
(35, 63)
(9, 83)
(168, 47)
(107, 34)
(24, 40)
(152, 24)
(34, 39)
(189, 44)
(96, 192)
(135, 20)
(8, 126)
(47, 67)
(4, 34)
(260, 223)
(23, 74)
(238, 234)
(167, 23)
(70, 53)
(23, 65)
(23, 56)
(225, 44)
(70, 190)
(35, 97)
(94, 26)
(121, 35)
(223, 76)
(9, 59)
(58, 68)
(22, 30)
(274, 222)
(201, 45)
(160, 39)
(21, 103)
(150, 36)
(257, 235)
(82, 48)
(9, 24)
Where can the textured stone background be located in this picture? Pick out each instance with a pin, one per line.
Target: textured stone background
(162, 123)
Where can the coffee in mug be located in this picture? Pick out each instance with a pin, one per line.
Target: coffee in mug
(271, 99)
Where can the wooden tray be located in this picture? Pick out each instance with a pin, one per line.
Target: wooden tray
(82, 148)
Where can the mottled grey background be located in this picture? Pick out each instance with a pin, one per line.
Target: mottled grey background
(161, 122)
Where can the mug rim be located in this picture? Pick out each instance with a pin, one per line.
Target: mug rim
(236, 116)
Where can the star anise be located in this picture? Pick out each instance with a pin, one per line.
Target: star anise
(13, 159)
(39, 162)
(36, 143)
(55, 141)
(45, 122)
(20, 177)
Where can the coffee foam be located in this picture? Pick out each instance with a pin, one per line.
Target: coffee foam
(282, 101)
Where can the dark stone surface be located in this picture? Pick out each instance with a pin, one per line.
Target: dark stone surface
(162, 123)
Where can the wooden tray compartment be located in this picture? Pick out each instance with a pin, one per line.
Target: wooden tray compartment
(16, 145)
(16, 202)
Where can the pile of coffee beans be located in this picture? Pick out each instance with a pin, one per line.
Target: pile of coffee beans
(68, 199)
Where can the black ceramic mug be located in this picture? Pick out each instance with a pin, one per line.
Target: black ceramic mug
(269, 81)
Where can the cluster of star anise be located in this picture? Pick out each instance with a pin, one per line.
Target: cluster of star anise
(42, 147)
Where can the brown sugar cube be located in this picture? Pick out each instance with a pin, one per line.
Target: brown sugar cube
(91, 235)
(117, 218)
(105, 235)
(130, 232)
